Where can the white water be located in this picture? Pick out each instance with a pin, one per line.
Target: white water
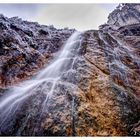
(63, 62)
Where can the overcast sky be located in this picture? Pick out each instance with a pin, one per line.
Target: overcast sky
(79, 16)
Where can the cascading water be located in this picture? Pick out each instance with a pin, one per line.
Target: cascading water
(29, 101)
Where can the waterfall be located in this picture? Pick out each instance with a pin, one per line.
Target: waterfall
(39, 89)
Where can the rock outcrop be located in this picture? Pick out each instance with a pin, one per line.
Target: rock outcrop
(25, 47)
(124, 14)
(99, 96)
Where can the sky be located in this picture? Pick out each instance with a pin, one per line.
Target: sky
(78, 16)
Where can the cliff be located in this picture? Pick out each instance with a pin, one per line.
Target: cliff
(98, 94)
(124, 14)
(26, 47)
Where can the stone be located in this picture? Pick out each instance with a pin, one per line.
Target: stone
(98, 94)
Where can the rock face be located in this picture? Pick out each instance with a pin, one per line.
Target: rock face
(124, 14)
(25, 47)
(98, 96)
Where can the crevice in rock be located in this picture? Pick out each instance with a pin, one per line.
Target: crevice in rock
(103, 71)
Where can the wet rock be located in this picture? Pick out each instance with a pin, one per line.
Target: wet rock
(25, 48)
(97, 93)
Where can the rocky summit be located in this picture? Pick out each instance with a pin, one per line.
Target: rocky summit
(60, 82)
